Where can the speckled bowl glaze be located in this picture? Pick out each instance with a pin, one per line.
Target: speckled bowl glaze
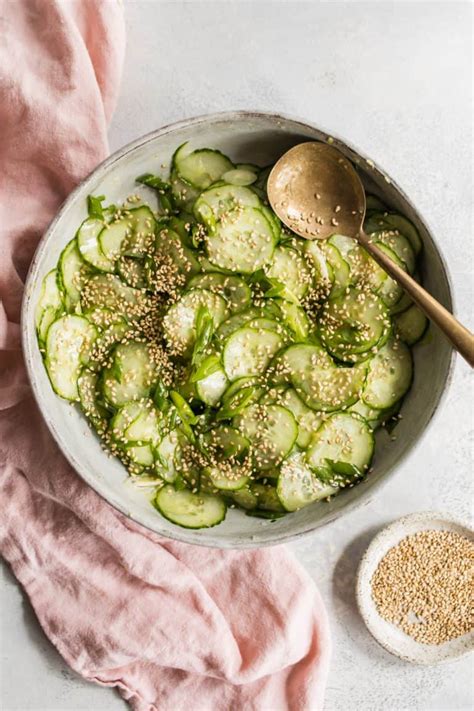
(247, 137)
(387, 634)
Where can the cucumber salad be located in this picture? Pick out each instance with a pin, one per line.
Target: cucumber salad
(224, 360)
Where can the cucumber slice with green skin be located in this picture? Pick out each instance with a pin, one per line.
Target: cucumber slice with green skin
(240, 176)
(140, 454)
(146, 427)
(273, 431)
(73, 273)
(88, 244)
(228, 479)
(290, 268)
(249, 351)
(123, 418)
(322, 271)
(352, 324)
(167, 455)
(295, 318)
(202, 167)
(377, 278)
(403, 304)
(183, 194)
(172, 263)
(233, 323)
(308, 420)
(107, 291)
(392, 221)
(67, 338)
(132, 234)
(87, 385)
(234, 289)
(362, 409)
(398, 244)
(50, 304)
(98, 355)
(267, 497)
(131, 376)
(220, 201)
(319, 382)
(411, 325)
(238, 385)
(244, 498)
(211, 388)
(243, 243)
(298, 486)
(273, 221)
(225, 443)
(132, 271)
(389, 375)
(340, 268)
(179, 322)
(343, 439)
(190, 510)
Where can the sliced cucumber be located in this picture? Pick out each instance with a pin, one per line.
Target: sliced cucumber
(132, 271)
(211, 388)
(249, 351)
(234, 289)
(67, 338)
(190, 510)
(107, 291)
(272, 429)
(168, 456)
(73, 272)
(131, 375)
(389, 375)
(227, 478)
(377, 278)
(240, 176)
(233, 323)
(308, 420)
(123, 418)
(295, 317)
(352, 324)
(290, 268)
(340, 268)
(298, 486)
(88, 244)
(244, 497)
(267, 497)
(184, 194)
(132, 234)
(391, 221)
(411, 325)
(87, 385)
(343, 439)
(146, 425)
(180, 320)
(202, 167)
(243, 243)
(140, 454)
(399, 244)
(220, 201)
(97, 357)
(322, 271)
(49, 305)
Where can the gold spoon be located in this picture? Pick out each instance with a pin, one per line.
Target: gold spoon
(316, 192)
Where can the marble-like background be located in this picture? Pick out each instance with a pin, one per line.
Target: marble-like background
(395, 78)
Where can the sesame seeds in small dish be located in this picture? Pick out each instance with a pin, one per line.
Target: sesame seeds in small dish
(414, 588)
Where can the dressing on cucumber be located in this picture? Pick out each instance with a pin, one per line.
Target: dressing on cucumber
(222, 359)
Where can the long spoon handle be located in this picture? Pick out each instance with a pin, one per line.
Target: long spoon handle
(461, 338)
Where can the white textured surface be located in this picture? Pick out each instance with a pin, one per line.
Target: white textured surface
(393, 78)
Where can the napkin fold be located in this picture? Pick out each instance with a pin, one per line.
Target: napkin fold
(171, 626)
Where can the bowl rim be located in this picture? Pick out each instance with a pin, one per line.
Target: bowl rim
(388, 537)
(191, 536)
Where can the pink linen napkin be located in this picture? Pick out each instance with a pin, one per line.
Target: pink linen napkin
(171, 626)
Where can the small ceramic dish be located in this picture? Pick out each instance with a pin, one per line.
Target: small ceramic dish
(389, 636)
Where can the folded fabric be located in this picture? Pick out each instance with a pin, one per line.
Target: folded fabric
(171, 626)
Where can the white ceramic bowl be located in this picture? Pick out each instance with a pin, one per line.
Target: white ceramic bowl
(392, 638)
(247, 137)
